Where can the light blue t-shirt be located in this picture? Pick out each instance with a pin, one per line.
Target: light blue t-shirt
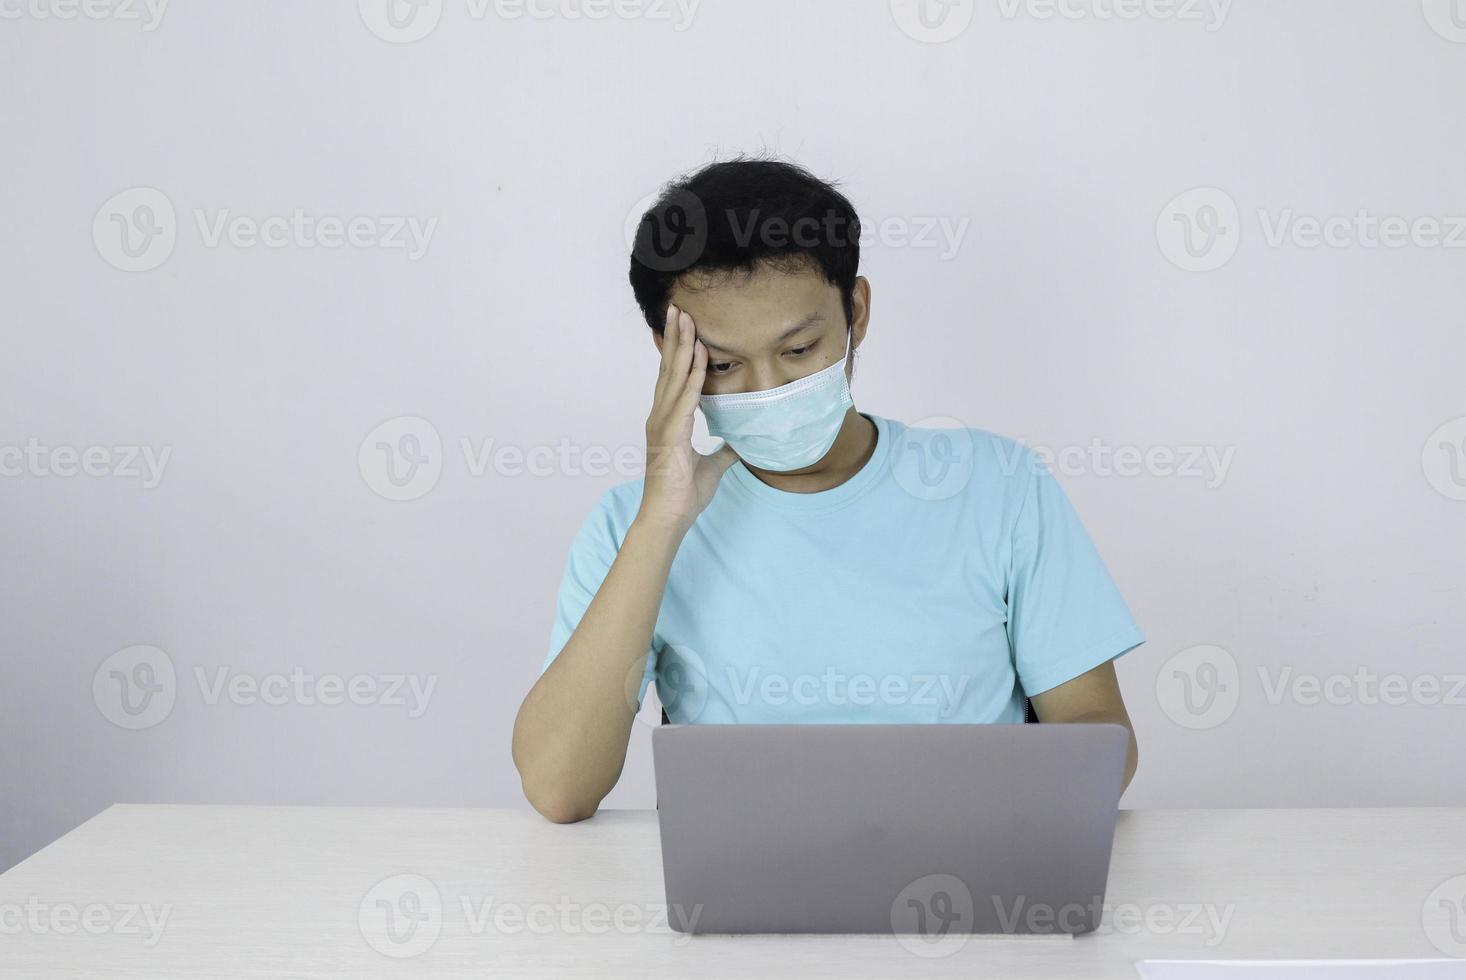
(943, 582)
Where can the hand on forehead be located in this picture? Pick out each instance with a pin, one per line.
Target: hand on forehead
(750, 314)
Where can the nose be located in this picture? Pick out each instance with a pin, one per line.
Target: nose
(766, 379)
(775, 375)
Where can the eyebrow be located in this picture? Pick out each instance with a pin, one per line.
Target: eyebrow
(803, 324)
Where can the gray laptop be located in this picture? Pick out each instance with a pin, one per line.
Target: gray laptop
(924, 829)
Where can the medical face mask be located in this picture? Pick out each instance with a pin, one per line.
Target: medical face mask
(784, 428)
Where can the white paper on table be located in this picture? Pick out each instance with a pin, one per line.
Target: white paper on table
(1301, 969)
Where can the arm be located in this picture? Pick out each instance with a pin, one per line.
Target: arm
(571, 732)
(1093, 696)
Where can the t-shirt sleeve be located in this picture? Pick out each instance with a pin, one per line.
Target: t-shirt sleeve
(1065, 614)
(592, 551)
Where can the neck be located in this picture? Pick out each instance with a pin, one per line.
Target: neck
(852, 449)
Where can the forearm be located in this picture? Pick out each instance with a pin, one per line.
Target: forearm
(571, 733)
(1122, 718)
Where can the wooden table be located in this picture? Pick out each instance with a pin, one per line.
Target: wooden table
(162, 892)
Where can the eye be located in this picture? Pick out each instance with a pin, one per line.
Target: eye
(801, 351)
(720, 368)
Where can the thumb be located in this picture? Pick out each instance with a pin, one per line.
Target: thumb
(723, 457)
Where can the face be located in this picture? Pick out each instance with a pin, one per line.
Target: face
(769, 328)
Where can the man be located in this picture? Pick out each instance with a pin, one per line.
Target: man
(824, 565)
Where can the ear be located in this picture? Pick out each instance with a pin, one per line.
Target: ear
(859, 310)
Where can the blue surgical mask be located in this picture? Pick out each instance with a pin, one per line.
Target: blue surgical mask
(784, 428)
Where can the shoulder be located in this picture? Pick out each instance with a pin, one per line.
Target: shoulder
(615, 508)
(962, 458)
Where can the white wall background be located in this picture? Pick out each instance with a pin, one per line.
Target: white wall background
(1061, 315)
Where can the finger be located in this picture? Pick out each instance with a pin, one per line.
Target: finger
(695, 377)
(685, 336)
(669, 349)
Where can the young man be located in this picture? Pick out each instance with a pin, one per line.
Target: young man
(824, 565)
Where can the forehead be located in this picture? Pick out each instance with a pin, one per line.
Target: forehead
(744, 310)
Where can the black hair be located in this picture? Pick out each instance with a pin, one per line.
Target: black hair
(733, 216)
